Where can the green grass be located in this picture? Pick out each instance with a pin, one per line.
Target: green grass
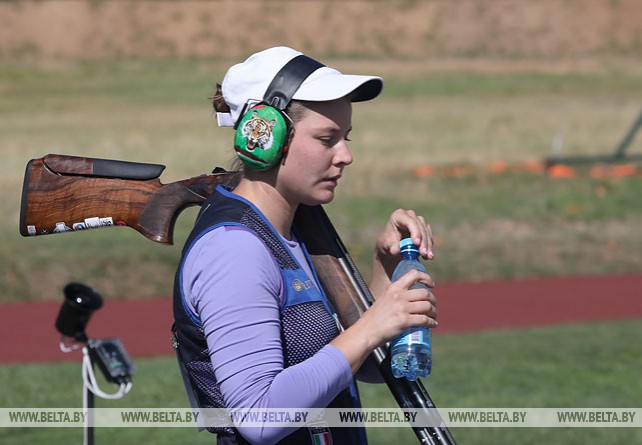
(508, 225)
(573, 366)
(495, 85)
(135, 83)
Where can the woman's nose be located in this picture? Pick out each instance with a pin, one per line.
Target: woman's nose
(343, 155)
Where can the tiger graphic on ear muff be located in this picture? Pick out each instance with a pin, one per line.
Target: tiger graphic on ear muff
(261, 136)
(263, 130)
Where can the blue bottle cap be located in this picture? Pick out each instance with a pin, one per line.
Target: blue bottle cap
(407, 244)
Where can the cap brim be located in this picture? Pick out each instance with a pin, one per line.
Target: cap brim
(335, 86)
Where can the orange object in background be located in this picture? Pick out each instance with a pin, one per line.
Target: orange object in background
(424, 171)
(561, 171)
(613, 171)
(621, 171)
(498, 167)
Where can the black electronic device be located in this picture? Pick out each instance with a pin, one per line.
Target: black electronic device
(112, 359)
(80, 303)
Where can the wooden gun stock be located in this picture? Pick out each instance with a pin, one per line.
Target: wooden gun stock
(68, 193)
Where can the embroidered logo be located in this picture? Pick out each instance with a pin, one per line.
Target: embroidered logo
(299, 285)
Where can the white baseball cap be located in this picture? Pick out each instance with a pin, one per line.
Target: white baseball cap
(249, 80)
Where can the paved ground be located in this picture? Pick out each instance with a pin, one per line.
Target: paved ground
(28, 333)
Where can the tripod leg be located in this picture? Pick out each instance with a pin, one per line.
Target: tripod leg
(88, 402)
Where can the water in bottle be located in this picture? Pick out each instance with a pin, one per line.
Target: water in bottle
(411, 351)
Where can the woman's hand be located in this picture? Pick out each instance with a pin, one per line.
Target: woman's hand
(399, 307)
(396, 309)
(401, 224)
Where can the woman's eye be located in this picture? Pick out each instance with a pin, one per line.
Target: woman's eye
(332, 139)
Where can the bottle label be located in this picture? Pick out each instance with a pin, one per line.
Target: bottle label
(416, 337)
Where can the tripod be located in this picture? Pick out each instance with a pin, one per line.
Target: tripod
(109, 354)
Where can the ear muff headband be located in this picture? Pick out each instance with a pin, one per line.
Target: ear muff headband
(288, 80)
(263, 130)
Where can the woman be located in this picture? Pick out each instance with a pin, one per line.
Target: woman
(253, 328)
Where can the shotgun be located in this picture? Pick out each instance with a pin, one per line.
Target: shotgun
(67, 193)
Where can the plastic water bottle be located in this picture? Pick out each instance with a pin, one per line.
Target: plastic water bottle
(411, 351)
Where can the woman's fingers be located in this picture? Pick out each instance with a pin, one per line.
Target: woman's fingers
(412, 277)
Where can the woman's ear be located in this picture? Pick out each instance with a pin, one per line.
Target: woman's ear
(286, 147)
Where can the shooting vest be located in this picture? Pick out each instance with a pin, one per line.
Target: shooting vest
(307, 324)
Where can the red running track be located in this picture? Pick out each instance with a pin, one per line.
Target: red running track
(28, 334)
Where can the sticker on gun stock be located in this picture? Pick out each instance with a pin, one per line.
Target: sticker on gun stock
(92, 223)
(108, 221)
(61, 227)
(79, 226)
(31, 230)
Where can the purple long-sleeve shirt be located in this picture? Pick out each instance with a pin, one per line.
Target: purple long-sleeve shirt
(233, 284)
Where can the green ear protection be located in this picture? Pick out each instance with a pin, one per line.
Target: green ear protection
(261, 137)
(263, 130)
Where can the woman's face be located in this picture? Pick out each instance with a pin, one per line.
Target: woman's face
(318, 153)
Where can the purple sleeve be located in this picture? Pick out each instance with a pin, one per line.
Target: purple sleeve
(233, 284)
